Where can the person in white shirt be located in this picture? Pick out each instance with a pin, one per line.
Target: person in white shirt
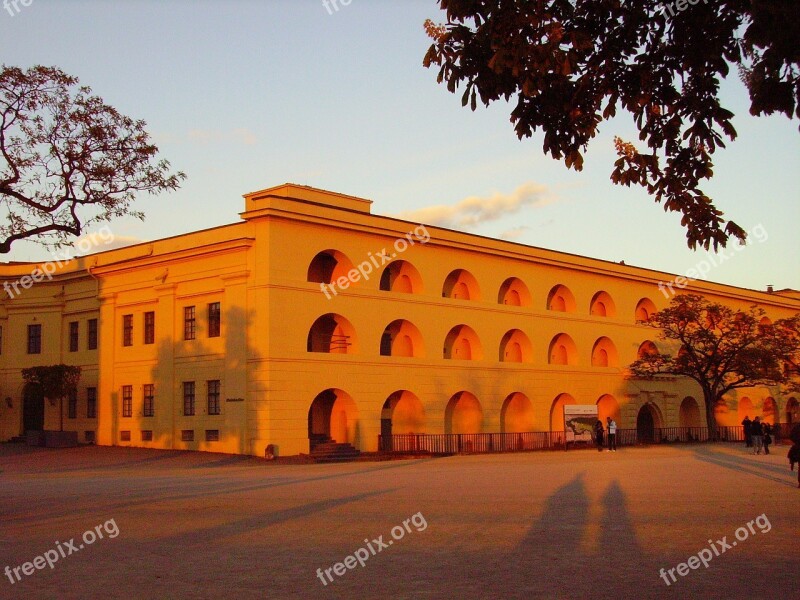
(612, 434)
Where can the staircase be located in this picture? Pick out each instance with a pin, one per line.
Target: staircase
(325, 450)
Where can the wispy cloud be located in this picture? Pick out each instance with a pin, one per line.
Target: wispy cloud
(514, 232)
(474, 210)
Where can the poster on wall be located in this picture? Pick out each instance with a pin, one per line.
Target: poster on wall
(579, 420)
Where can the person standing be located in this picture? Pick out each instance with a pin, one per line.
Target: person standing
(598, 435)
(767, 437)
(748, 441)
(612, 434)
(757, 435)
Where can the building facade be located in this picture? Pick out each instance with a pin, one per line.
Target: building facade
(312, 317)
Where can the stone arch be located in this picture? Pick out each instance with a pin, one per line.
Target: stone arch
(689, 413)
(562, 351)
(402, 338)
(745, 409)
(644, 309)
(462, 343)
(769, 411)
(333, 334)
(463, 414)
(607, 406)
(514, 292)
(517, 414)
(604, 353)
(327, 266)
(402, 277)
(516, 347)
(462, 285)
(333, 415)
(561, 299)
(648, 421)
(405, 413)
(557, 411)
(602, 305)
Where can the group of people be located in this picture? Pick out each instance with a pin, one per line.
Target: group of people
(600, 431)
(757, 435)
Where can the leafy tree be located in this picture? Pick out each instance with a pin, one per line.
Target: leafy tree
(56, 381)
(721, 349)
(570, 64)
(67, 159)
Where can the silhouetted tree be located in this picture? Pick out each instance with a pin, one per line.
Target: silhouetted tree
(570, 64)
(67, 159)
(721, 349)
(55, 381)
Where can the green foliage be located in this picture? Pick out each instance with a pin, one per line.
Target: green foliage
(569, 65)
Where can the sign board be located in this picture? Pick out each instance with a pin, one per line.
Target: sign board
(579, 421)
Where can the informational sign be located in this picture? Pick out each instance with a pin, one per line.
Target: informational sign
(579, 421)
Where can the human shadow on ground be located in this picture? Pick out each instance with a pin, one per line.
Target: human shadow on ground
(744, 464)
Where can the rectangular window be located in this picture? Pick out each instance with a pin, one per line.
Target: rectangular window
(91, 402)
(127, 400)
(189, 323)
(147, 435)
(127, 330)
(88, 437)
(149, 327)
(91, 334)
(34, 339)
(214, 319)
(148, 400)
(187, 435)
(212, 435)
(124, 436)
(73, 336)
(72, 404)
(188, 398)
(213, 397)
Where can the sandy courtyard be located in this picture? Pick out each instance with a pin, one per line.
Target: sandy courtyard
(541, 525)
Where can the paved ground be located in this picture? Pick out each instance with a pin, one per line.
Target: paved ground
(541, 525)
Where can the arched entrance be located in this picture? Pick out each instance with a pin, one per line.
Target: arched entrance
(647, 422)
(463, 414)
(402, 413)
(689, 413)
(333, 416)
(516, 414)
(32, 408)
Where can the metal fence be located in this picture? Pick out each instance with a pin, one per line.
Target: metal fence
(468, 443)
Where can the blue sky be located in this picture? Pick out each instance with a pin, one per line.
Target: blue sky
(243, 95)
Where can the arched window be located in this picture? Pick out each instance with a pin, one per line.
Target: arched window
(401, 338)
(401, 276)
(462, 343)
(562, 351)
(561, 299)
(604, 353)
(328, 266)
(602, 305)
(461, 285)
(644, 308)
(332, 333)
(514, 292)
(516, 347)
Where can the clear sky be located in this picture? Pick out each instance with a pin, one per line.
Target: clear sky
(244, 95)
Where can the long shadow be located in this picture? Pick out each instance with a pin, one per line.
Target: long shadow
(260, 521)
(743, 465)
(154, 494)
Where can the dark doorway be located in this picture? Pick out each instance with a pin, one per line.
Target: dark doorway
(33, 409)
(645, 426)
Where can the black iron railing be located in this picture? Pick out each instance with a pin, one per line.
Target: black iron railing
(457, 443)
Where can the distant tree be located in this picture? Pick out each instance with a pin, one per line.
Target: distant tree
(55, 381)
(67, 159)
(570, 64)
(721, 349)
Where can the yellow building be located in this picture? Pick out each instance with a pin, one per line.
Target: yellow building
(313, 318)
